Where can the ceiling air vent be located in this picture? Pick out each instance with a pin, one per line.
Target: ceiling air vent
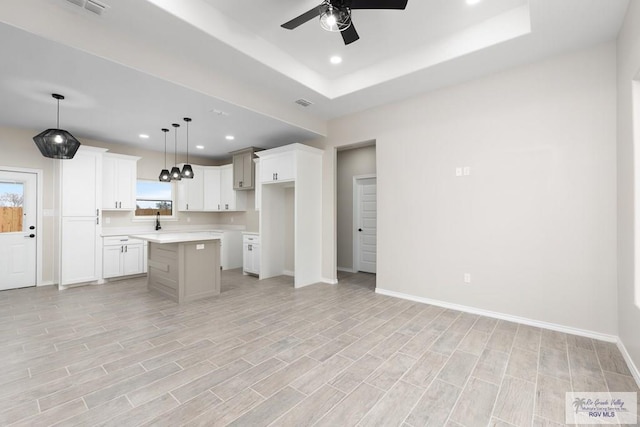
(303, 102)
(91, 5)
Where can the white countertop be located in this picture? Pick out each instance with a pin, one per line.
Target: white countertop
(178, 237)
(250, 233)
(166, 228)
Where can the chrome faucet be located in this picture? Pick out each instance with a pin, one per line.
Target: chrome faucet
(158, 226)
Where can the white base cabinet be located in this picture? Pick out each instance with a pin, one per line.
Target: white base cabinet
(123, 256)
(251, 254)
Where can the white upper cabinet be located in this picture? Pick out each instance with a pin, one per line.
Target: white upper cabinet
(227, 199)
(78, 183)
(212, 189)
(119, 175)
(280, 166)
(191, 191)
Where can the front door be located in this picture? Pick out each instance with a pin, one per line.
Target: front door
(18, 204)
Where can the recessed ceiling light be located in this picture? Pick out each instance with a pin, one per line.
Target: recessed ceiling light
(200, 147)
(472, 2)
(230, 137)
(335, 60)
(143, 136)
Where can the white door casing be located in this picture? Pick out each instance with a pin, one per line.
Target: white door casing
(365, 223)
(18, 247)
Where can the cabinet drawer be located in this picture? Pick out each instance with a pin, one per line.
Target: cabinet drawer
(251, 238)
(120, 240)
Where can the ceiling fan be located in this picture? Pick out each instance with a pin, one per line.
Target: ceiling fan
(335, 15)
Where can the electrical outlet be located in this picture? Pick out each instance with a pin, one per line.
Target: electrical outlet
(458, 171)
(467, 278)
(466, 171)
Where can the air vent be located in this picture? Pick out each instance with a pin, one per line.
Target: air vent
(219, 112)
(91, 5)
(303, 102)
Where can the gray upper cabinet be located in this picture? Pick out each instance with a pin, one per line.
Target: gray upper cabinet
(243, 169)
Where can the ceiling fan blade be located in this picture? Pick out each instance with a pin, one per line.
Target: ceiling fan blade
(350, 34)
(378, 4)
(307, 16)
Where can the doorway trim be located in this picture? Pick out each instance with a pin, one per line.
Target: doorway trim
(356, 215)
(39, 206)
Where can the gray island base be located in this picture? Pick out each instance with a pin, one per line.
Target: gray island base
(183, 268)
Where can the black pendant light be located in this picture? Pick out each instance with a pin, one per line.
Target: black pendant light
(165, 176)
(187, 170)
(57, 143)
(175, 170)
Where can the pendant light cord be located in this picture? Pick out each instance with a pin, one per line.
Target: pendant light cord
(165, 147)
(175, 152)
(58, 115)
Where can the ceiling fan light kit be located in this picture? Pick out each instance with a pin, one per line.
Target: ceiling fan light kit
(57, 143)
(335, 19)
(335, 15)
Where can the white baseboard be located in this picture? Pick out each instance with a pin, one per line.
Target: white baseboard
(47, 283)
(329, 281)
(288, 273)
(627, 358)
(346, 270)
(503, 316)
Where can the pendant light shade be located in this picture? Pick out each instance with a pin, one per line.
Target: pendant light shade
(57, 143)
(165, 176)
(187, 170)
(175, 170)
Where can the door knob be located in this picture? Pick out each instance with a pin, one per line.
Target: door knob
(33, 227)
(359, 229)
(31, 236)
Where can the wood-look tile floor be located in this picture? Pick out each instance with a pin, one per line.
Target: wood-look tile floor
(263, 353)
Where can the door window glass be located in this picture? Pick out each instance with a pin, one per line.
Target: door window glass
(11, 206)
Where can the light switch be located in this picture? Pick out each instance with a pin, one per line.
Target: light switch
(458, 171)
(466, 171)
(199, 246)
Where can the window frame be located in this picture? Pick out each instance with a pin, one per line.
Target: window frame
(174, 204)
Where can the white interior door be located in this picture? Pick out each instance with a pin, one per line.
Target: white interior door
(18, 204)
(366, 223)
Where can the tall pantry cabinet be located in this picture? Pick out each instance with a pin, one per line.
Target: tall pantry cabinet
(291, 228)
(79, 202)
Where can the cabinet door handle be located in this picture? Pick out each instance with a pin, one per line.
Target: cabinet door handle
(187, 206)
(240, 184)
(120, 205)
(226, 206)
(116, 205)
(274, 176)
(126, 248)
(218, 206)
(121, 249)
(97, 216)
(249, 247)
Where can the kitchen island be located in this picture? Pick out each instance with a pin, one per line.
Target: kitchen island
(183, 266)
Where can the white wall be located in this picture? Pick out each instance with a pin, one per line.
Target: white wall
(628, 69)
(534, 224)
(350, 163)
